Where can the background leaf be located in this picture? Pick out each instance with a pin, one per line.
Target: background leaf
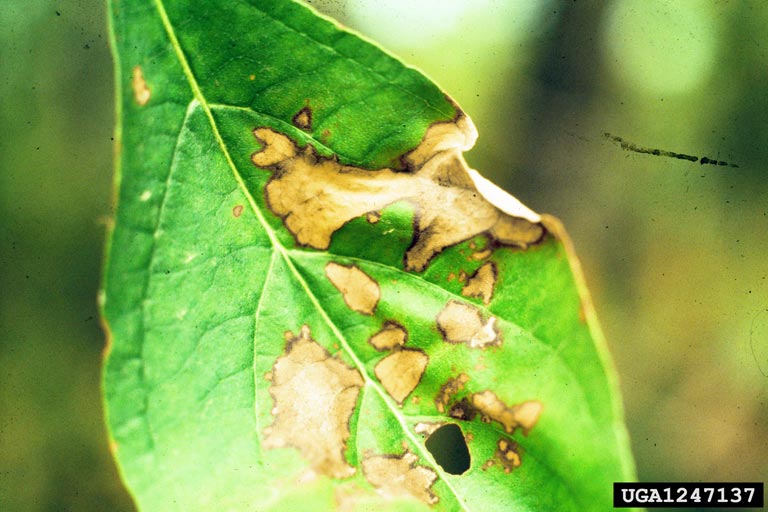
(241, 372)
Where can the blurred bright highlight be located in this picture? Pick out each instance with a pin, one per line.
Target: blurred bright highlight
(661, 47)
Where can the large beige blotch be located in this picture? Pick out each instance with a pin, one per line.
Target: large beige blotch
(463, 323)
(315, 395)
(315, 195)
(395, 476)
(360, 292)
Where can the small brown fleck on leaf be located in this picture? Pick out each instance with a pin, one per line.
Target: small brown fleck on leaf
(360, 292)
(303, 119)
(315, 395)
(391, 335)
(481, 255)
(488, 464)
(401, 371)
(449, 389)
(463, 323)
(451, 276)
(462, 410)
(141, 91)
(508, 454)
(251, 77)
(237, 210)
(373, 217)
(316, 195)
(396, 476)
(480, 285)
(523, 415)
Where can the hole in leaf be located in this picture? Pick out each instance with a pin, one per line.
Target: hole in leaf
(449, 448)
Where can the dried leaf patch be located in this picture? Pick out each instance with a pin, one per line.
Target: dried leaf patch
(401, 371)
(523, 415)
(396, 476)
(361, 293)
(462, 323)
(316, 195)
(391, 335)
(449, 390)
(315, 395)
(480, 285)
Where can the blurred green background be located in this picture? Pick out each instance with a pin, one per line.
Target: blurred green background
(674, 251)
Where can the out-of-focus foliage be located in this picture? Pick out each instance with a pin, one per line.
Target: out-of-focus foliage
(674, 251)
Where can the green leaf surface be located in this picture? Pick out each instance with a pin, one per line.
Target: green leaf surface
(304, 282)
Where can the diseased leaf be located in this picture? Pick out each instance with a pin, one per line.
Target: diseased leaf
(305, 282)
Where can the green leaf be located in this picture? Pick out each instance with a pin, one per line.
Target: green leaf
(305, 285)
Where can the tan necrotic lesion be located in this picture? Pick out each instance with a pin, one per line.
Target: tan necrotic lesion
(314, 397)
(316, 195)
(398, 476)
(360, 292)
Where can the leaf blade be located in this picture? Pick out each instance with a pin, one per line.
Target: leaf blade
(212, 136)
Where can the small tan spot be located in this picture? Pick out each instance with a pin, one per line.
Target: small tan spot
(508, 454)
(462, 323)
(360, 292)
(251, 77)
(523, 415)
(303, 119)
(488, 464)
(451, 276)
(481, 284)
(397, 476)
(373, 217)
(427, 428)
(237, 210)
(141, 91)
(315, 395)
(391, 335)
(462, 276)
(400, 372)
(481, 255)
(449, 389)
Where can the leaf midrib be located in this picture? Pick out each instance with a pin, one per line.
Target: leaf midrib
(198, 95)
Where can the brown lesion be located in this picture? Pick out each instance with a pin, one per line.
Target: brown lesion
(303, 119)
(400, 476)
(523, 415)
(401, 371)
(315, 395)
(391, 335)
(447, 391)
(316, 195)
(141, 91)
(463, 323)
(360, 292)
(508, 453)
(480, 285)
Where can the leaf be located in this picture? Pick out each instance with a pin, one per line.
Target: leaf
(304, 283)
